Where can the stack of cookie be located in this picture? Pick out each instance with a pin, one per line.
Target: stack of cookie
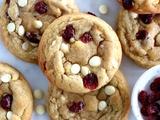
(139, 33)
(80, 54)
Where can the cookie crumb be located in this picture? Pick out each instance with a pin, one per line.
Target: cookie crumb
(40, 109)
(103, 9)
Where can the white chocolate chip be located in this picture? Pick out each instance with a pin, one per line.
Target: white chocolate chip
(22, 3)
(25, 46)
(84, 70)
(95, 61)
(9, 115)
(21, 30)
(54, 42)
(103, 9)
(134, 15)
(72, 40)
(65, 47)
(11, 27)
(40, 109)
(109, 90)
(6, 78)
(38, 94)
(158, 39)
(37, 24)
(102, 105)
(75, 69)
(114, 63)
(63, 99)
(34, 44)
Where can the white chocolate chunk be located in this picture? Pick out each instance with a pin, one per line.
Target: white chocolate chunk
(38, 94)
(102, 105)
(54, 42)
(6, 78)
(134, 15)
(37, 24)
(114, 63)
(11, 27)
(95, 61)
(85, 70)
(22, 3)
(158, 39)
(9, 115)
(75, 69)
(21, 30)
(25, 46)
(62, 99)
(34, 44)
(103, 9)
(72, 40)
(40, 109)
(109, 90)
(65, 47)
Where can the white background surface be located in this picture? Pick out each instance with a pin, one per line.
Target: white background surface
(38, 81)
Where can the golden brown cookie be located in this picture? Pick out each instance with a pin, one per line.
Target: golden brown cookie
(79, 53)
(22, 23)
(111, 102)
(139, 36)
(16, 101)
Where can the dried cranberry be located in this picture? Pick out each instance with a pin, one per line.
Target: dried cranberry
(151, 98)
(154, 87)
(76, 107)
(7, 1)
(91, 13)
(142, 34)
(144, 111)
(6, 102)
(146, 18)
(90, 81)
(86, 37)
(128, 4)
(69, 32)
(153, 109)
(157, 82)
(32, 37)
(142, 97)
(41, 7)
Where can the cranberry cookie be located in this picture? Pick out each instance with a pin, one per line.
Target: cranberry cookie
(22, 23)
(140, 37)
(141, 6)
(111, 102)
(15, 95)
(79, 53)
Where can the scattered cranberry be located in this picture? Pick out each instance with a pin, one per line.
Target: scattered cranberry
(91, 13)
(6, 102)
(154, 87)
(7, 1)
(32, 37)
(128, 4)
(153, 109)
(142, 97)
(76, 107)
(90, 81)
(69, 32)
(41, 7)
(144, 111)
(146, 18)
(142, 34)
(86, 37)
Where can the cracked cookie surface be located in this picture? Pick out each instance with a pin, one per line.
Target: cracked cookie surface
(16, 101)
(95, 105)
(22, 23)
(79, 53)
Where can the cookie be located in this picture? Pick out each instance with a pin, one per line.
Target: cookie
(22, 23)
(141, 6)
(15, 95)
(79, 53)
(139, 36)
(111, 102)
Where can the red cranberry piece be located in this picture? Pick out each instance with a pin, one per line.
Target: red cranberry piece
(146, 18)
(86, 37)
(144, 110)
(153, 109)
(6, 102)
(91, 13)
(128, 4)
(157, 82)
(69, 32)
(7, 1)
(152, 98)
(41, 7)
(90, 81)
(142, 34)
(154, 87)
(32, 37)
(76, 107)
(142, 97)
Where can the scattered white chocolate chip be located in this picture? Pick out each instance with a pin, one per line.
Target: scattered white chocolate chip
(25, 46)
(103, 9)
(21, 30)
(22, 3)
(95, 61)
(102, 105)
(72, 40)
(6, 78)
(54, 42)
(84, 70)
(65, 47)
(134, 15)
(11, 27)
(109, 90)
(75, 69)
(38, 94)
(158, 39)
(40, 109)
(114, 63)
(9, 115)
(37, 24)
(34, 44)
